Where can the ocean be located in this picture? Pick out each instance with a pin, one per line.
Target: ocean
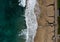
(16, 22)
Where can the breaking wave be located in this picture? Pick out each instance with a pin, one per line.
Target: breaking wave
(31, 21)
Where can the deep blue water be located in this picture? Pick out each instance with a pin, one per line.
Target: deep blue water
(11, 21)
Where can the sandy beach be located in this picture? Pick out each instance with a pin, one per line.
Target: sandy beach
(45, 31)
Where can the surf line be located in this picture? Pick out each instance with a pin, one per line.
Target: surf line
(30, 18)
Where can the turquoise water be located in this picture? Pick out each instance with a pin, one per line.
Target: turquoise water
(12, 21)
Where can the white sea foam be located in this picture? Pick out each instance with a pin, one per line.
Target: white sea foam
(23, 33)
(22, 3)
(31, 20)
